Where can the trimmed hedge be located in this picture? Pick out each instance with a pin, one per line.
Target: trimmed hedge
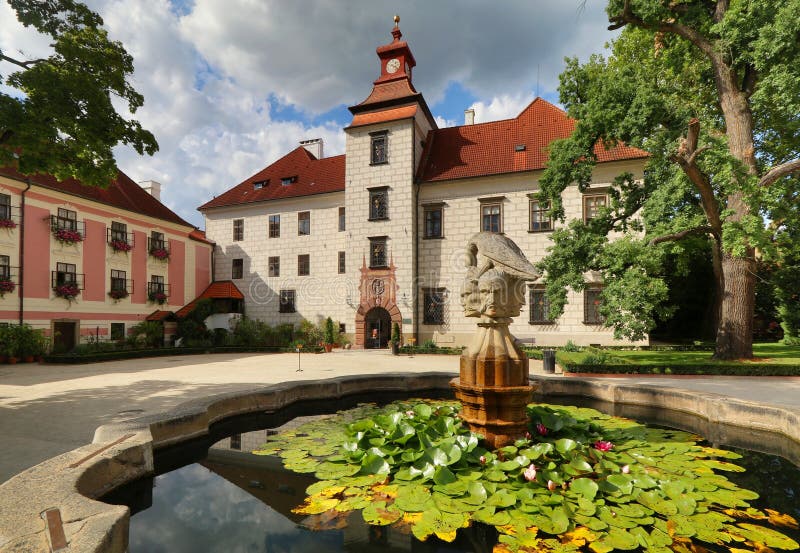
(96, 357)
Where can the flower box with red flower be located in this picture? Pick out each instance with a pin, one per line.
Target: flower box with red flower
(67, 291)
(118, 294)
(157, 297)
(6, 286)
(160, 253)
(66, 236)
(120, 246)
(7, 223)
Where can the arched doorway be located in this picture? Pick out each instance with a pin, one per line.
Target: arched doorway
(377, 328)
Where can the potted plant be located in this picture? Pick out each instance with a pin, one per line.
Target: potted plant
(68, 291)
(120, 245)
(6, 286)
(395, 340)
(329, 335)
(66, 236)
(162, 254)
(8, 223)
(117, 295)
(157, 297)
(12, 344)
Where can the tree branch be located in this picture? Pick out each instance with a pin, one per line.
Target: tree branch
(749, 81)
(23, 64)
(692, 35)
(779, 172)
(674, 237)
(719, 12)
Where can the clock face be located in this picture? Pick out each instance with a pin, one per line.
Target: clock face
(392, 65)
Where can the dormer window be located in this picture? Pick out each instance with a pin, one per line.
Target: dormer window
(378, 147)
(286, 181)
(258, 185)
(519, 148)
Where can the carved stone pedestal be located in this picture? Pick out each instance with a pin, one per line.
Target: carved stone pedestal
(493, 385)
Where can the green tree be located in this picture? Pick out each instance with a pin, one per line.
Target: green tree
(711, 90)
(59, 117)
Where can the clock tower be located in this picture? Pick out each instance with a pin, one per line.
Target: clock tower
(397, 61)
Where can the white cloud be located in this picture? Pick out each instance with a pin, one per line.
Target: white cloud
(506, 106)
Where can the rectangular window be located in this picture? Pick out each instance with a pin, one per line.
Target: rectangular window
(286, 181)
(433, 302)
(117, 331)
(539, 307)
(378, 147)
(287, 302)
(377, 252)
(119, 232)
(304, 223)
(342, 263)
(66, 273)
(237, 268)
(5, 207)
(303, 265)
(592, 300)
(157, 241)
(156, 285)
(433, 222)
(379, 203)
(119, 282)
(258, 185)
(236, 442)
(540, 221)
(342, 224)
(5, 267)
(67, 219)
(274, 226)
(491, 217)
(274, 266)
(592, 204)
(238, 230)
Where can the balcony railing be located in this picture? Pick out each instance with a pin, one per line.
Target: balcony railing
(119, 241)
(158, 248)
(67, 230)
(122, 285)
(157, 292)
(59, 278)
(9, 279)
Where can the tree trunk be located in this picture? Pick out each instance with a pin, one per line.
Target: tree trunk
(735, 329)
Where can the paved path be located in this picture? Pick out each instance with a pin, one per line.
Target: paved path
(49, 409)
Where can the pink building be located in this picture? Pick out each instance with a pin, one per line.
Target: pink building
(79, 261)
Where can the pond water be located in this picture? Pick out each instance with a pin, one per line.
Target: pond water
(232, 501)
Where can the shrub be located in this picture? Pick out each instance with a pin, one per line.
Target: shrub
(429, 344)
(329, 333)
(571, 347)
(308, 333)
(147, 334)
(395, 333)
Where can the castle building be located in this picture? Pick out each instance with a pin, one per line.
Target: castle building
(376, 236)
(85, 263)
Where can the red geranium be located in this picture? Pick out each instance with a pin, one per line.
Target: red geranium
(67, 236)
(121, 246)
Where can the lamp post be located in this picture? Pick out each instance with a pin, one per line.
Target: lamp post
(297, 349)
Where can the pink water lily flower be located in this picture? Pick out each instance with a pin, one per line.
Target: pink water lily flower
(626, 469)
(541, 429)
(602, 445)
(551, 485)
(482, 460)
(409, 413)
(527, 435)
(530, 473)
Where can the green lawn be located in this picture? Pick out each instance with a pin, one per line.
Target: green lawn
(770, 359)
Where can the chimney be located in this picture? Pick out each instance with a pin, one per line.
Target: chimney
(152, 187)
(314, 146)
(469, 116)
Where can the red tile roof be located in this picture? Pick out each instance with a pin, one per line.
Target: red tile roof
(122, 192)
(223, 289)
(490, 148)
(200, 236)
(314, 176)
(159, 315)
(392, 90)
(384, 116)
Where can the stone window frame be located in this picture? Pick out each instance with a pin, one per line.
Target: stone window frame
(539, 207)
(433, 302)
(274, 266)
(377, 138)
(287, 301)
(237, 268)
(303, 264)
(342, 219)
(274, 225)
(496, 201)
(376, 192)
(342, 263)
(304, 216)
(118, 280)
(431, 208)
(592, 301)
(5, 267)
(590, 212)
(376, 240)
(538, 316)
(238, 230)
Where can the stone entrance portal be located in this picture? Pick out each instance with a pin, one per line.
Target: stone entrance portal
(377, 325)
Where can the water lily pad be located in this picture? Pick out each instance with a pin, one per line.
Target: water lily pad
(379, 514)
(584, 486)
(765, 536)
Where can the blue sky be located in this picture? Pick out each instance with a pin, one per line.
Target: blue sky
(230, 87)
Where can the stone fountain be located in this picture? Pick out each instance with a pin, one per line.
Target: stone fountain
(493, 385)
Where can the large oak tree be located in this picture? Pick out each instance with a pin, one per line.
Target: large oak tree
(59, 116)
(711, 89)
